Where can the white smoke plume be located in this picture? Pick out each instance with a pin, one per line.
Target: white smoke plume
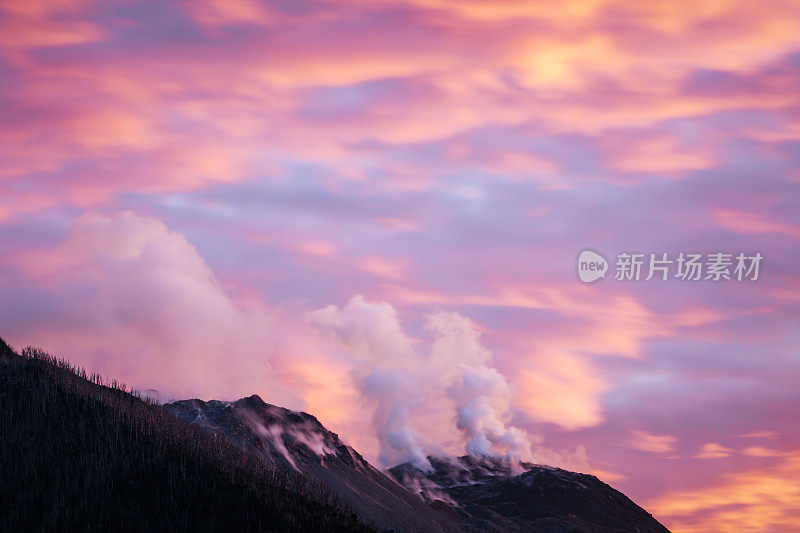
(420, 398)
(381, 352)
(477, 394)
(314, 440)
(128, 297)
(394, 394)
(273, 434)
(426, 488)
(481, 393)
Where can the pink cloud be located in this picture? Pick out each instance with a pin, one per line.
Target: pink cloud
(47, 23)
(215, 13)
(753, 223)
(713, 450)
(647, 442)
(129, 298)
(434, 157)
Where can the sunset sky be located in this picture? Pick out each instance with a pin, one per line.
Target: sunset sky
(372, 211)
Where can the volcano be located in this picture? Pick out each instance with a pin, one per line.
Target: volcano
(484, 493)
(470, 493)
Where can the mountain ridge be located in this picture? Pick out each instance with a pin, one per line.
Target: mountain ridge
(297, 440)
(469, 493)
(126, 463)
(490, 492)
(80, 454)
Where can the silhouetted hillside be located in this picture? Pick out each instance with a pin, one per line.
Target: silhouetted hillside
(494, 494)
(80, 455)
(297, 441)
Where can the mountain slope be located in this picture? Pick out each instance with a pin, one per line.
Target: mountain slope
(76, 455)
(486, 494)
(297, 441)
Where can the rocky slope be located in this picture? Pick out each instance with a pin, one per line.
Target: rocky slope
(490, 494)
(297, 441)
(455, 494)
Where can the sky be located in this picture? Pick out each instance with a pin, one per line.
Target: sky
(372, 211)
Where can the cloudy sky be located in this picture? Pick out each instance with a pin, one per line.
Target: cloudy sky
(372, 210)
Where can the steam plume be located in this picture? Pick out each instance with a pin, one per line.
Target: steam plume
(451, 393)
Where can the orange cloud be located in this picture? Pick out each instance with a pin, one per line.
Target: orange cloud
(382, 267)
(216, 13)
(713, 450)
(503, 10)
(662, 154)
(46, 23)
(647, 442)
(759, 500)
(556, 379)
(752, 223)
(761, 451)
(561, 388)
(760, 434)
(529, 68)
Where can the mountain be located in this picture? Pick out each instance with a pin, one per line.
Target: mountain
(78, 454)
(456, 494)
(490, 494)
(297, 441)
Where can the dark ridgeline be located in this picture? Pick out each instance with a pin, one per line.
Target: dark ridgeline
(494, 494)
(79, 454)
(297, 441)
(470, 494)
